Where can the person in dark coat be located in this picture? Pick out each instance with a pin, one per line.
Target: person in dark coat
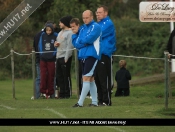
(47, 60)
(122, 78)
(37, 61)
(171, 45)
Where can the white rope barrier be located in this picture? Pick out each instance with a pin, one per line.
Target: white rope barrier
(21, 54)
(4, 57)
(75, 48)
(140, 57)
(56, 51)
(33, 64)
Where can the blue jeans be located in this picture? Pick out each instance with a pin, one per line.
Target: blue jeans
(37, 81)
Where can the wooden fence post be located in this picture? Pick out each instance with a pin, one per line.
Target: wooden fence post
(33, 73)
(166, 78)
(76, 71)
(13, 76)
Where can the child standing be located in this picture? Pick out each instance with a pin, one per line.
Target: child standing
(47, 60)
(122, 78)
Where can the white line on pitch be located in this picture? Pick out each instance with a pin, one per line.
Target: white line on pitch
(116, 128)
(52, 110)
(7, 107)
(63, 116)
(57, 113)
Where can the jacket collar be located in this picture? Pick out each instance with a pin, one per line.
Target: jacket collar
(104, 19)
(90, 23)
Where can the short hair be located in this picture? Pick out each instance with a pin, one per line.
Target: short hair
(75, 20)
(105, 8)
(122, 63)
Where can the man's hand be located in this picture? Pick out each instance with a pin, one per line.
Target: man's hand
(56, 44)
(169, 56)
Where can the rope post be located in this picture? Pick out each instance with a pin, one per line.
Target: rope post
(166, 78)
(169, 83)
(76, 71)
(33, 73)
(13, 76)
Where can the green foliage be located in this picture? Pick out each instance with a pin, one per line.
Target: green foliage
(74, 8)
(139, 39)
(7, 6)
(134, 38)
(24, 68)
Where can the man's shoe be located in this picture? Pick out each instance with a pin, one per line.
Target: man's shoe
(88, 97)
(93, 105)
(77, 105)
(42, 96)
(102, 104)
(47, 96)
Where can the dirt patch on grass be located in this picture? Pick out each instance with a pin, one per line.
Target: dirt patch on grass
(151, 79)
(169, 114)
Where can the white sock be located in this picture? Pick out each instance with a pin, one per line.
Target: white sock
(84, 92)
(93, 92)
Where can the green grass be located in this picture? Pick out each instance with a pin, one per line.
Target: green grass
(145, 101)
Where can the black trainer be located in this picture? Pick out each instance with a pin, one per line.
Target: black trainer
(92, 105)
(77, 105)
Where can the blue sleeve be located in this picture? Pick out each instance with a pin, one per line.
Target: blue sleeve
(55, 34)
(109, 31)
(75, 42)
(40, 46)
(94, 33)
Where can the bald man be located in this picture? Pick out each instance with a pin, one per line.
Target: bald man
(88, 40)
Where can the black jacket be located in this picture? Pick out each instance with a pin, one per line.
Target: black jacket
(46, 44)
(122, 78)
(171, 43)
(35, 45)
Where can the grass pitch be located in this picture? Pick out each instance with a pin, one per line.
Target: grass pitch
(146, 101)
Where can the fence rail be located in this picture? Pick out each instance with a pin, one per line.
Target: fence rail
(168, 90)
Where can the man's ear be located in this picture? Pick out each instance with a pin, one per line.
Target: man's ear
(106, 13)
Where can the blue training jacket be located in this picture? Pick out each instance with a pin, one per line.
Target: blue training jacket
(108, 36)
(88, 41)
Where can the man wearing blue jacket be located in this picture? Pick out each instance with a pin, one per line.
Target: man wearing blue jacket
(87, 40)
(103, 73)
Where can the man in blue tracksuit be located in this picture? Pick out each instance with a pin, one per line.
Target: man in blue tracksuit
(75, 26)
(88, 41)
(103, 72)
